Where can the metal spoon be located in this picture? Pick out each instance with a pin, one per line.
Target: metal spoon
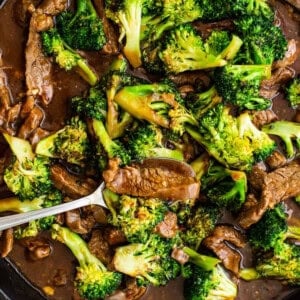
(95, 198)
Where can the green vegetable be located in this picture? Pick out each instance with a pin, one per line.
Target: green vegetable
(82, 29)
(234, 142)
(65, 57)
(71, 143)
(287, 131)
(293, 92)
(206, 285)
(28, 175)
(93, 280)
(240, 85)
(224, 187)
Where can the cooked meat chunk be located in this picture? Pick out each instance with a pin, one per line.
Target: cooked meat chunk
(197, 79)
(99, 246)
(71, 185)
(60, 277)
(168, 227)
(263, 117)
(279, 185)
(218, 243)
(131, 292)
(74, 222)
(180, 256)
(270, 87)
(114, 236)
(31, 123)
(37, 247)
(163, 179)
(6, 241)
(276, 160)
(256, 177)
(292, 53)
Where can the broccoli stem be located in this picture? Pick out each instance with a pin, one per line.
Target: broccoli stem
(76, 244)
(249, 274)
(86, 72)
(232, 49)
(205, 262)
(14, 204)
(103, 136)
(20, 148)
(200, 165)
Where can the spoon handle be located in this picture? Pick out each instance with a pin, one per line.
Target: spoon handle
(18, 219)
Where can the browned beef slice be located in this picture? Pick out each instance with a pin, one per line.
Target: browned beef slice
(278, 185)
(218, 243)
(168, 227)
(152, 179)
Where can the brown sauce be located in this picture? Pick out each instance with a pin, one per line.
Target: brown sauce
(12, 41)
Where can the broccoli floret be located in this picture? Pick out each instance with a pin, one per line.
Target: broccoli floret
(200, 165)
(147, 141)
(82, 29)
(234, 142)
(283, 265)
(65, 57)
(28, 175)
(94, 107)
(166, 15)
(216, 10)
(149, 263)
(71, 143)
(158, 103)
(128, 15)
(293, 92)
(199, 224)
(224, 187)
(222, 44)
(183, 49)
(117, 120)
(254, 8)
(93, 280)
(137, 217)
(263, 42)
(240, 85)
(113, 148)
(200, 103)
(287, 131)
(272, 229)
(205, 285)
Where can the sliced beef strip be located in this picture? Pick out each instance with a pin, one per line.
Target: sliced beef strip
(99, 246)
(223, 241)
(152, 178)
(256, 177)
(270, 88)
(263, 117)
(278, 185)
(73, 186)
(38, 70)
(276, 160)
(292, 53)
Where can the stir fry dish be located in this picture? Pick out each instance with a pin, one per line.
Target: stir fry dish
(189, 111)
